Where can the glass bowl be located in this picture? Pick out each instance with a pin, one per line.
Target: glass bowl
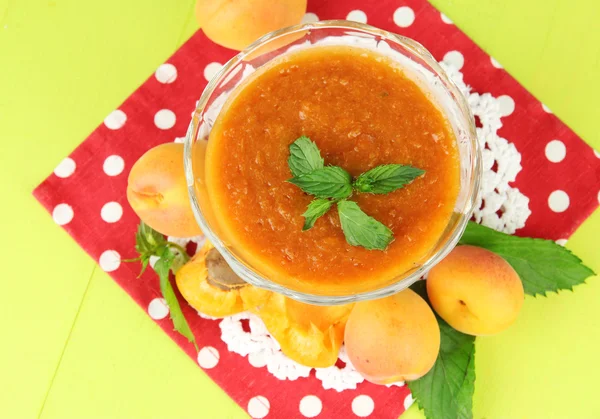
(418, 64)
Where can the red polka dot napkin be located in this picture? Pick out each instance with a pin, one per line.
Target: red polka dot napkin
(86, 192)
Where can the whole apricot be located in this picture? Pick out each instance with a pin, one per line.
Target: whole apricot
(157, 191)
(310, 335)
(236, 24)
(475, 291)
(392, 339)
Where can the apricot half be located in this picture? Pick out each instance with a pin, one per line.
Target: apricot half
(157, 191)
(192, 282)
(236, 24)
(392, 339)
(310, 335)
(475, 291)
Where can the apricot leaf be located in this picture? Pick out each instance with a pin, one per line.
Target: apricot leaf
(446, 391)
(542, 265)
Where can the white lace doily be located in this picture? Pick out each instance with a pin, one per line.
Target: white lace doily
(500, 207)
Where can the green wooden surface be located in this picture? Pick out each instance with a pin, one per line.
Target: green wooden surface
(75, 346)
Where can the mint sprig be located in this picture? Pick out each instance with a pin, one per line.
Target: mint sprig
(542, 265)
(332, 184)
(148, 243)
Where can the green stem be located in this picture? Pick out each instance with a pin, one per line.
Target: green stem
(181, 250)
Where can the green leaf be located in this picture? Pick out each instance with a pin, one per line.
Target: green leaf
(446, 391)
(328, 182)
(362, 230)
(147, 239)
(316, 209)
(145, 261)
(162, 268)
(304, 157)
(386, 178)
(542, 265)
(149, 242)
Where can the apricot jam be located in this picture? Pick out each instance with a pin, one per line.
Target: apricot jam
(362, 110)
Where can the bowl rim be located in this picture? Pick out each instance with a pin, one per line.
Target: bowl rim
(250, 275)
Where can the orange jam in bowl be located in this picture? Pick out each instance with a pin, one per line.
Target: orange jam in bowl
(364, 105)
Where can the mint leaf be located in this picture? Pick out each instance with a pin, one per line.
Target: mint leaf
(446, 391)
(542, 265)
(162, 267)
(316, 209)
(386, 178)
(304, 157)
(328, 182)
(362, 230)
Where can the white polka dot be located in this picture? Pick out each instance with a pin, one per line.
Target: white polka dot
(310, 18)
(310, 406)
(597, 153)
(258, 407)
(507, 105)
(495, 63)
(166, 73)
(454, 59)
(62, 214)
(556, 151)
(404, 16)
(158, 309)
(558, 201)
(65, 168)
(561, 242)
(208, 357)
(257, 359)
(164, 119)
(546, 109)
(408, 401)
(113, 165)
(115, 119)
(363, 405)
(599, 197)
(109, 260)
(446, 19)
(211, 69)
(357, 16)
(111, 212)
